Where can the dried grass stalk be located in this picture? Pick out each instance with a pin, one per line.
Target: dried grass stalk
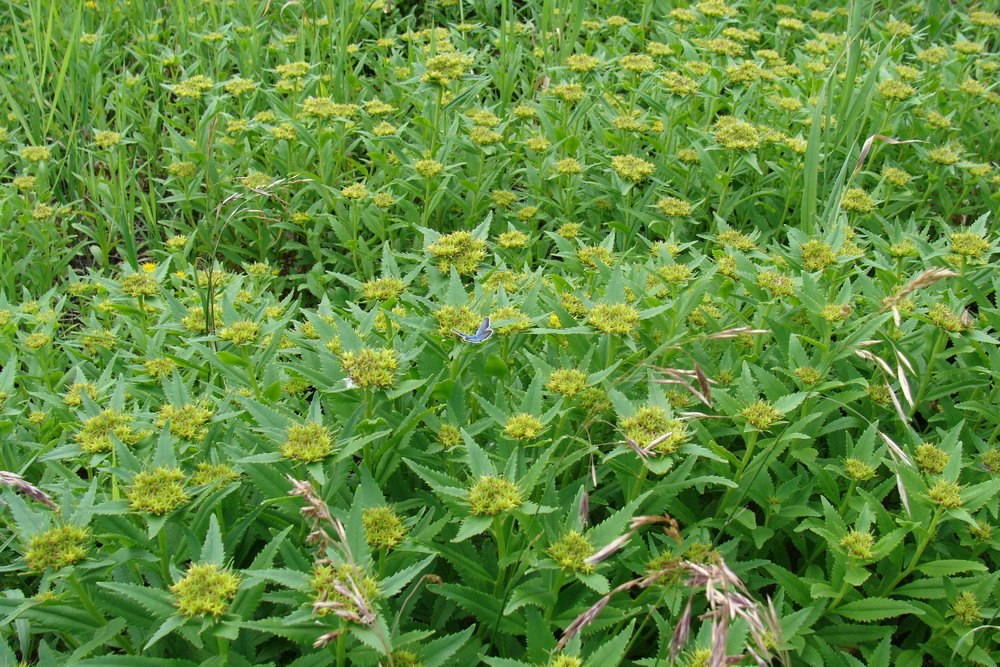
(727, 598)
(921, 280)
(27, 488)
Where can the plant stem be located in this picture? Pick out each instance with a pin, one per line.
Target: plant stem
(939, 343)
(916, 554)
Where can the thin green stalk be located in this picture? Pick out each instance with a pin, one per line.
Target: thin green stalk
(939, 343)
(915, 560)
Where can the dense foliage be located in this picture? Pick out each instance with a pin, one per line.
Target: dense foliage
(741, 394)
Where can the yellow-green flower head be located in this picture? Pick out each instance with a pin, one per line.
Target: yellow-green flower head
(777, 284)
(567, 381)
(290, 70)
(632, 168)
(56, 548)
(370, 367)
(716, 8)
(42, 212)
(942, 316)
(991, 460)
(523, 427)
(899, 28)
(428, 168)
(378, 108)
(383, 200)
(209, 473)
(73, 395)
(382, 289)
(449, 436)
(35, 153)
(590, 255)
(571, 551)
(946, 494)
(309, 442)
(637, 62)
(182, 169)
(459, 249)
(95, 432)
(858, 470)
(568, 166)
(858, 545)
(157, 491)
(894, 89)
(944, 155)
(791, 24)
(933, 55)
(972, 87)
(24, 183)
(563, 660)
(896, 177)
(672, 207)
(683, 15)
(524, 111)
(735, 239)
(384, 129)
(37, 340)
(761, 415)
(355, 191)
(966, 608)
(673, 274)
(243, 332)
(835, 312)
(503, 198)
(383, 527)
(512, 239)
(139, 284)
(857, 200)
(193, 87)
(484, 136)
(594, 400)
(818, 255)
(240, 86)
(461, 319)
(679, 84)
(931, 459)
(688, 155)
(204, 589)
(446, 67)
(736, 134)
(491, 495)
(569, 92)
(186, 421)
(988, 19)
(651, 423)
(746, 72)
(256, 180)
(614, 318)
(107, 139)
(324, 107)
(967, 47)
(969, 244)
(351, 577)
(787, 103)
(582, 62)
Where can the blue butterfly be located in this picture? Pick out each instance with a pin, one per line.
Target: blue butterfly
(482, 333)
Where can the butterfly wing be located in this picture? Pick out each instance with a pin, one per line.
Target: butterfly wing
(484, 330)
(466, 337)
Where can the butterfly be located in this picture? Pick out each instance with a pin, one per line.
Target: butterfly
(482, 333)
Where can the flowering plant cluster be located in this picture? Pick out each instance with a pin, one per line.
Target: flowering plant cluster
(509, 333)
